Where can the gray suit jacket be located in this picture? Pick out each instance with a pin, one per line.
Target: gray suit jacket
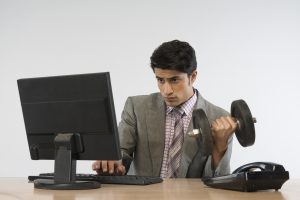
(142, 138)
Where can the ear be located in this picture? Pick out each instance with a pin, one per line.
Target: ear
(193, 76)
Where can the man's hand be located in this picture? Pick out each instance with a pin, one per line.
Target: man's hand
(222, 129)
(108, 167)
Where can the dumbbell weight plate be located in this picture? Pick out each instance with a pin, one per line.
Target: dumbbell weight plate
(241, 112)
(205, 139)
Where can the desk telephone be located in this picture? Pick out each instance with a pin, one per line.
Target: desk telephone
(251, 177)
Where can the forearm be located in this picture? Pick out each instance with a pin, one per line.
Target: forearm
(217, 156)
(221, 165)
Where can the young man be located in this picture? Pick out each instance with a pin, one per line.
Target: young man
(153, 129)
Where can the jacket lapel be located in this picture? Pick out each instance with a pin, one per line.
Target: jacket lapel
(190, 145)
(155, 122)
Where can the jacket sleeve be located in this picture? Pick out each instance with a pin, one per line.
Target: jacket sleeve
(223, 167)
(127, 133)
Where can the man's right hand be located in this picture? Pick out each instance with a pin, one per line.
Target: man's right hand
(109, 167)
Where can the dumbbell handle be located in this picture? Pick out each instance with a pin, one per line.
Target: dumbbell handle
(239, 125)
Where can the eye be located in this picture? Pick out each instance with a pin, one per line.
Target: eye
(160, 80)
(174, 80)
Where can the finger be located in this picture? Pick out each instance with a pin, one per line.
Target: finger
(215, 123)
(104, 166)
(218, 124)
(111, 166)
(120, 169)
(225, 123)
(232, 122)
(96, 165)
(229, 125)
(213, 126)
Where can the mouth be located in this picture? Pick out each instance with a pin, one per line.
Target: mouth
(170, 99)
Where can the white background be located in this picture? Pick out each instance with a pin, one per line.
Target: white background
(245, 49)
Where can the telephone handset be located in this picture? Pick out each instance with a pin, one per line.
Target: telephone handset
(260, 166)
(251, 177)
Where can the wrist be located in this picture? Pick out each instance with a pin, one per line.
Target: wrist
(217, 155)
(220, 148)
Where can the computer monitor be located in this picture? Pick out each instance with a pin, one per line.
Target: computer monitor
(69, 118)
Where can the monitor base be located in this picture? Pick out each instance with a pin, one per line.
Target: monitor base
(49, 184)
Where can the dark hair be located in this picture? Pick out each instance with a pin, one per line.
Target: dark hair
(175, 55)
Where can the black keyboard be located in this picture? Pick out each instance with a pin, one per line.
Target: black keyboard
(107, 179)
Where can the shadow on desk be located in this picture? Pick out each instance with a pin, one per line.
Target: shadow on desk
(222, 194)
(107, 191)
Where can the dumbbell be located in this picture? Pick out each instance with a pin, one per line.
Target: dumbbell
(245, 131)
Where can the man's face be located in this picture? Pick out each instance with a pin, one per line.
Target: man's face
(175, 87)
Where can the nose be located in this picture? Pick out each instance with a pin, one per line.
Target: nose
(167, 89)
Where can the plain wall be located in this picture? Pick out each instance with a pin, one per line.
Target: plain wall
(245, 49)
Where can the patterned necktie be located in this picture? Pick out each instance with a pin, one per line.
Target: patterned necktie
(176, 145)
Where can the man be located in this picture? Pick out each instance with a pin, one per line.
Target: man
(153, 129)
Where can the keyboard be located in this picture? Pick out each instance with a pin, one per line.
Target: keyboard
(107, 179)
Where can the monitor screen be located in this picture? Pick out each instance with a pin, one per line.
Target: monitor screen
(71, 111)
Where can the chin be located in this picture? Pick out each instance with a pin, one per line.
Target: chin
(172, 104)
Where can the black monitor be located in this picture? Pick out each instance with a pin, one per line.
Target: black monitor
(69, 118)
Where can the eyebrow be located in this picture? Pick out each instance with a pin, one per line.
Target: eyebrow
(168, 78)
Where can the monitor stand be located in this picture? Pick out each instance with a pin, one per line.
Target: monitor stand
(66, 147)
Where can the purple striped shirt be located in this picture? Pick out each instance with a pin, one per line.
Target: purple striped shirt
(187, 107)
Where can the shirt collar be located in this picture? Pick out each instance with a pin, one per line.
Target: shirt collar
(186, 107)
